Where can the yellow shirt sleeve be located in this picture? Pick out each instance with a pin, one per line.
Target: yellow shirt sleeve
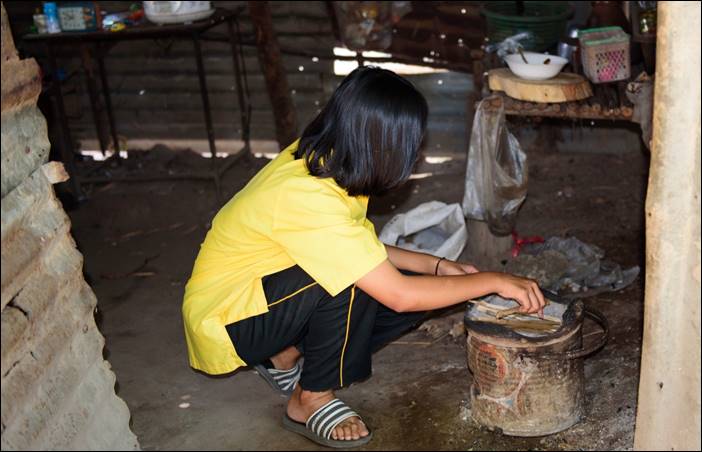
(320, 234)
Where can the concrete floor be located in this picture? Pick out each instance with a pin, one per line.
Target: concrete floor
(417, 396)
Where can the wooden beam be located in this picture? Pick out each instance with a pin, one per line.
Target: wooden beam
(668, 410)
(272, 67)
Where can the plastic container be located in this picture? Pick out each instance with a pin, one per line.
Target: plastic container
(52, 19)
(605, 54)
(546, 21)
(177, 12)
(79, 16)
(40, 21)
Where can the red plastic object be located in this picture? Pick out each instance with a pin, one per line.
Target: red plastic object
(519, 242)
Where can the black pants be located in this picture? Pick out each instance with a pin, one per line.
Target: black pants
(336, 335)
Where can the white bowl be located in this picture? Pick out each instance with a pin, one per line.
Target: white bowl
(536, 69)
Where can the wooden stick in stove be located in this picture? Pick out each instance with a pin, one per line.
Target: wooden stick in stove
(494, 309)
(515, 310)
(505, 312)
(522, 325)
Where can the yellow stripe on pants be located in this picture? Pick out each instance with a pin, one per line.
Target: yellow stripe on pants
(292, 294)
(346, 339)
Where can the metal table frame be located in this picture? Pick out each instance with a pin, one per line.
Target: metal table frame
(101, 41)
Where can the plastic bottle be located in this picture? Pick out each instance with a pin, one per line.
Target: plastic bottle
(52, 20)
(39, 21)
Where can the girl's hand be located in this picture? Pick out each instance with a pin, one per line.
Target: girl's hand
(450, 268)
(524, 291)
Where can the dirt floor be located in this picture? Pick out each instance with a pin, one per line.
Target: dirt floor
(140, 240)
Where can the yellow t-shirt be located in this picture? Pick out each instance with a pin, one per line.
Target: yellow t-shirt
(283, 217)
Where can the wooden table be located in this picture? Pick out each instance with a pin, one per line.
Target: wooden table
(608, 100)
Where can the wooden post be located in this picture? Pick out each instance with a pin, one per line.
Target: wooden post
(484, 249)
(272, 67)
(668, 410)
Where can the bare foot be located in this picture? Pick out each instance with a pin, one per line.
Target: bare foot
(286, 359)
(303, 404)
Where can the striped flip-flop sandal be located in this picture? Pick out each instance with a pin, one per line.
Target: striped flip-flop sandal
(321, 424)
(283, 381)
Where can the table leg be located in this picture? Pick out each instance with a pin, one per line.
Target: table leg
(205, 98)
(244, 105)
(92, 93)
(65, 140)
(108, 101)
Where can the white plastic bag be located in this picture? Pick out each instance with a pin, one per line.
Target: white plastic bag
(433, 227)
(496, 173)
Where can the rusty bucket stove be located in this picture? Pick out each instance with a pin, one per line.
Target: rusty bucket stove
(530, 386)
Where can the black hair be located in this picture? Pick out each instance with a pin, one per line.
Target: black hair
(367, 136)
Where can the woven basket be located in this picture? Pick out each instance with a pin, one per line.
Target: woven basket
(605, 54)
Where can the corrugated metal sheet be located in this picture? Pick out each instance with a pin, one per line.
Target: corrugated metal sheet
(57, 390)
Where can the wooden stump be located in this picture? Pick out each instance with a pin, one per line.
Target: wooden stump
(564, 87)
(484, 249)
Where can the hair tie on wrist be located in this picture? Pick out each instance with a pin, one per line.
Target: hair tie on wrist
(436, 270)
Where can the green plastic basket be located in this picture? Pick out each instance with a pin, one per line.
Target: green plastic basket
(545, 20)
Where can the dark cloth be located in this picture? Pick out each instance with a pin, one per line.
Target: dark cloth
(336, 335)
